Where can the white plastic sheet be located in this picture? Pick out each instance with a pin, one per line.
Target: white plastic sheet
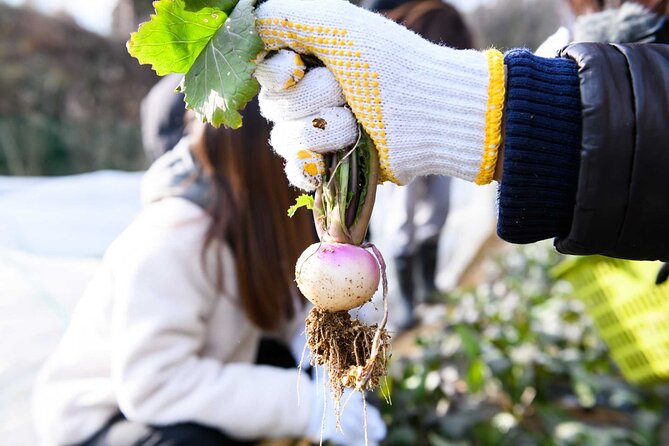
(53, 232)
(74, 216)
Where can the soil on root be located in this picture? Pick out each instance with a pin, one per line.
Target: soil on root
(354, 354)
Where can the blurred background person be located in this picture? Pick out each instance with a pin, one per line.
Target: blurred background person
(182, 336)
(620, 21)
(419, 209)
(163, 113)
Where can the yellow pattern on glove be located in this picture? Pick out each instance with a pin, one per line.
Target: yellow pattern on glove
(310, 168)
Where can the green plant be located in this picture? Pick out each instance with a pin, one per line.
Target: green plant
(35, 144)
(518, 362)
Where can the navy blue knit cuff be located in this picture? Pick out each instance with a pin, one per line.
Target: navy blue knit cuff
(542, 142)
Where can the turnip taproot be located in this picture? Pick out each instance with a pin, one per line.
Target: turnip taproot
(337, 276)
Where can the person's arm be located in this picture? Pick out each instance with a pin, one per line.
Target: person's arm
(585, 150)
(432, 110)
(429, 109)
(162, 304)
(583, 158)
(538, 168)
(622, 199)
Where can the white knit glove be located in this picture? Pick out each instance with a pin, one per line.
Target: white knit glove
(428, 108)
(352, 425)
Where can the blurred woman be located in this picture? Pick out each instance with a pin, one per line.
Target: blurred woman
(165, 345)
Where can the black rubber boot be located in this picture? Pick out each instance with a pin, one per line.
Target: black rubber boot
(427, 260)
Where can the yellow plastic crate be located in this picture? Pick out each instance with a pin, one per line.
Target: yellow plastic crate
(630, 312)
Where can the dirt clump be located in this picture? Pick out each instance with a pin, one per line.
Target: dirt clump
(353, 353)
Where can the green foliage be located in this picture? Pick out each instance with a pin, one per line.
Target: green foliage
(37, 145)
(221, 81)
(214, 42)
(301, 201)
(176, 35)
(221, 5)
(519, 362)
(70, 100)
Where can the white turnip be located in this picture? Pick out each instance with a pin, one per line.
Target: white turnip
(337, 276)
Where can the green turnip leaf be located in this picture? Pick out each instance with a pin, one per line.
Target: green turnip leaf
(177, 33)
(221, 81)
(215, 43)
(301, 201)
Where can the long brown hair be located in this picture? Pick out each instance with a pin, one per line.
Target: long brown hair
(251, 196)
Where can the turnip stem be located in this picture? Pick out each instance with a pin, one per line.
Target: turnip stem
(341, 160)
(364, 212)
(341, 224)
(353, 189)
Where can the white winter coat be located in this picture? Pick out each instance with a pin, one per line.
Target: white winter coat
(152, 337)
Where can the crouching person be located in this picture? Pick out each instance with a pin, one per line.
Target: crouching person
(165, 345)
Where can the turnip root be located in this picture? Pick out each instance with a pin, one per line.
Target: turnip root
(337, 276)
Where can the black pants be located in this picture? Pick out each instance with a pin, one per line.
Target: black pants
(121, 432)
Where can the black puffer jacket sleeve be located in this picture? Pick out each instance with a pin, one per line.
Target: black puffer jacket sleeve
(622, 196)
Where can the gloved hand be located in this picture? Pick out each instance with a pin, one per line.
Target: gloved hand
(428, 108)
(352, 431)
